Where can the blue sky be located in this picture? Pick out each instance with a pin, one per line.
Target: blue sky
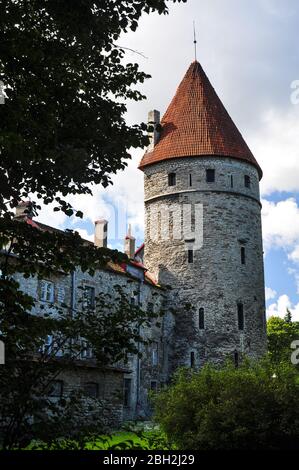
(250, 51)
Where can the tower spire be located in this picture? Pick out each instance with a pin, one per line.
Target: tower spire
(194, 41)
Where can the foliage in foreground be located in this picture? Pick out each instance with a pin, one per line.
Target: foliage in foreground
(152, 439)
(281, 333)
(252, 407)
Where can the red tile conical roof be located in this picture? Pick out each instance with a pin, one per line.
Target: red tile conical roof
(197, 124)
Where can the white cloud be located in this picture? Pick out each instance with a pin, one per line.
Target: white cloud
(279, 308)
(276, 147)
(270, 293)
(281, 225)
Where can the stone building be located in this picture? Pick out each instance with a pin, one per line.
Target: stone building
(202, 260)
(203, 227)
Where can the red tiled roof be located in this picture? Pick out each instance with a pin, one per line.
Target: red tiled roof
(197, 124)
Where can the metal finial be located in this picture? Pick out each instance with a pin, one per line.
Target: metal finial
(194, 41)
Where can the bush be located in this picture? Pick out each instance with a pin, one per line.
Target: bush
(252, 407)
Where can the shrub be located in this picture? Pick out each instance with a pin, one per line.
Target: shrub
(252, 407)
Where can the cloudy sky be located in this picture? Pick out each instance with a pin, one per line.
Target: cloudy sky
(250, 51)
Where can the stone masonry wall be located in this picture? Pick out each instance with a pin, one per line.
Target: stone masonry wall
(216, 281)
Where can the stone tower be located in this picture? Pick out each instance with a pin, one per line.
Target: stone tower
(203, 233)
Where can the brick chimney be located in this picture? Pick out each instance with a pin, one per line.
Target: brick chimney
(130, 244)
(153, 121)
(100, 233)
(24, 209)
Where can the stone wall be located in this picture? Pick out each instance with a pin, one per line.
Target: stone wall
(216, 280)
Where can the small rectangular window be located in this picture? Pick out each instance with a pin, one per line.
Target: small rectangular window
(86, 350)
(47, 291)
(201, 319)
(231, 181)
(154, 385)
(243, 255)
(210, 176)
(240, 317)
(171, 179)
(55, 388)
(91, 389)
(192, 359)
(236, 359)
(190, 180)
(247, 181)
(89, 297)
(127, 392)
(190, 256)
(155, 352)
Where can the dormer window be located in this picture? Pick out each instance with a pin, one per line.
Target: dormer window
(210, 175)
(247, 181)
(171, 179)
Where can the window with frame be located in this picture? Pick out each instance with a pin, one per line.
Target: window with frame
(240, 316)
(247, 181)
(46, 291)
(55, 388)
(201, 318)
(127, 392)
(155, 354)
(210, 175)
(171, 179)
(89, 297)
(91, 389)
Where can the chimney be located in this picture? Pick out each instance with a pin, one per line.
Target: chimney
(100, 233)
(153, 121)
(24, 209)
(130, 244)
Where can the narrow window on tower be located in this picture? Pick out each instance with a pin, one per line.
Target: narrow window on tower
(190, 256)
(192, 359)
(243, 255)
(201, 319)
(240, 317)
(171, 179)
(190, 180)
(210, 176)
(231, 181)
(236, 358)
(247, 181)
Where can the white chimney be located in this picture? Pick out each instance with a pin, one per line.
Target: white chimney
(153, 121)
(130, 244)
(100, 233)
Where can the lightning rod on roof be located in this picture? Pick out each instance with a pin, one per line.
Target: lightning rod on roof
(194, 40)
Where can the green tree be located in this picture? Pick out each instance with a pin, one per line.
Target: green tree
(281, 333)
(62, 129)
(252, 407)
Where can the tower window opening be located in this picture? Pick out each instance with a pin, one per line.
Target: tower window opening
(171, 179)
(201, 319)
(231, 181)
(243, 255)
(236, 358)
(210, 175)
(247, 181)
(190, 256)
(240, 317)
(190, 180)
(192, 359)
